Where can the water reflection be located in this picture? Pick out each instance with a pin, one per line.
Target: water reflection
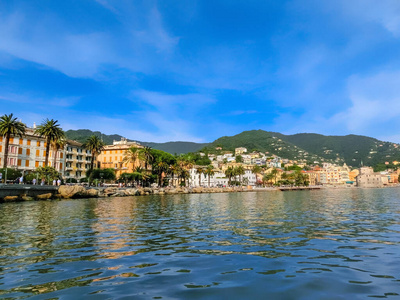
(342, 243)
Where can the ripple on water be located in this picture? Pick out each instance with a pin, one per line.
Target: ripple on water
(300, 245)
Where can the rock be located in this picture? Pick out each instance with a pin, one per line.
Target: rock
(131, 192)
(44, 196)
(71, 191)
(161, 193)
(10, 198)
(148, 190)
(156, 192)
(92, 193)
(27, 198)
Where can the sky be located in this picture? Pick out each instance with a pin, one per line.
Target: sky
(187, 70)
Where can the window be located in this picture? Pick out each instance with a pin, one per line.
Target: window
(61, 155)
(61, 165)
(21, 141)
(11, 140)
(37, 152)
(19, 162)
(36, 164)
(27, 163)
(28, 142)
(38, 143)
(28, 151)
(20, 151)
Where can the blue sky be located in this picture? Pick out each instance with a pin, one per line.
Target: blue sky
(197, 70)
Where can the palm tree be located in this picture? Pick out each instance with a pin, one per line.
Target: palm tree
(146, 155)
(239, 171)
(131, 155)
(268, 177)
(229, 173)
(10, 126)
(52, 132)
(95, 145)
(161, 167)
(173, 169)
(200, 171)
(209, 172)
(57, 145)
(274, 172)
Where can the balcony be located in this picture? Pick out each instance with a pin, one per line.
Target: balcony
(68, 168)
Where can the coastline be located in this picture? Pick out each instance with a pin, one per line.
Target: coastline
(14, 193)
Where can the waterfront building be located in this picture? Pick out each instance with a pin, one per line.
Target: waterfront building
(28, 152)
(367, 178)
(112, 156)
(77, 160)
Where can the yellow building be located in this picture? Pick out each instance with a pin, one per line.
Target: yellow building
(112, 156)
(77, 160)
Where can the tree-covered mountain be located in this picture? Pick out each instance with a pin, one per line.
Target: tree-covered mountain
(81, 136)
(353, 150)
(350, 149)
(268, 142)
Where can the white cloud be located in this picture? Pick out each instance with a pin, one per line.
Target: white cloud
(385, 12)
(375, 101)
(46, 40)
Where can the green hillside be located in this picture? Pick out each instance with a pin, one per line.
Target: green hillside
(354, 149)
(176, 147)
(350, 149)
(81, 136)
(264, 141)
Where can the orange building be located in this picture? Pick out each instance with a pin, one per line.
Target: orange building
(113, 155)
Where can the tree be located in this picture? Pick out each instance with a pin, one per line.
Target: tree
(57, 145)
(200, 171)
(239, 159)
(173, 169)
(146, 154)
(48, 173)
(50, 130)
(10, 126)
(256, 169)
(239, 171)
(229, 173)
(95, 145)
(131, 155)
(209, 172)
(274, 172)
(267, 178)
(106, 174)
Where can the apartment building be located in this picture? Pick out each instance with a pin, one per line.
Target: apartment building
(77, 160)
(112, 156)
(28, 152)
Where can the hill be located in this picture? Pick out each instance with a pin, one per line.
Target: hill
(81, 136)
(269, 142)
(353, 150)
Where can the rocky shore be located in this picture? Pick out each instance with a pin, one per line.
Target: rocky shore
(77, 191)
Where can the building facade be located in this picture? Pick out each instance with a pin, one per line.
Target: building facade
(368, 179)
(28, 152)
(112, 156)
(77, 160)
